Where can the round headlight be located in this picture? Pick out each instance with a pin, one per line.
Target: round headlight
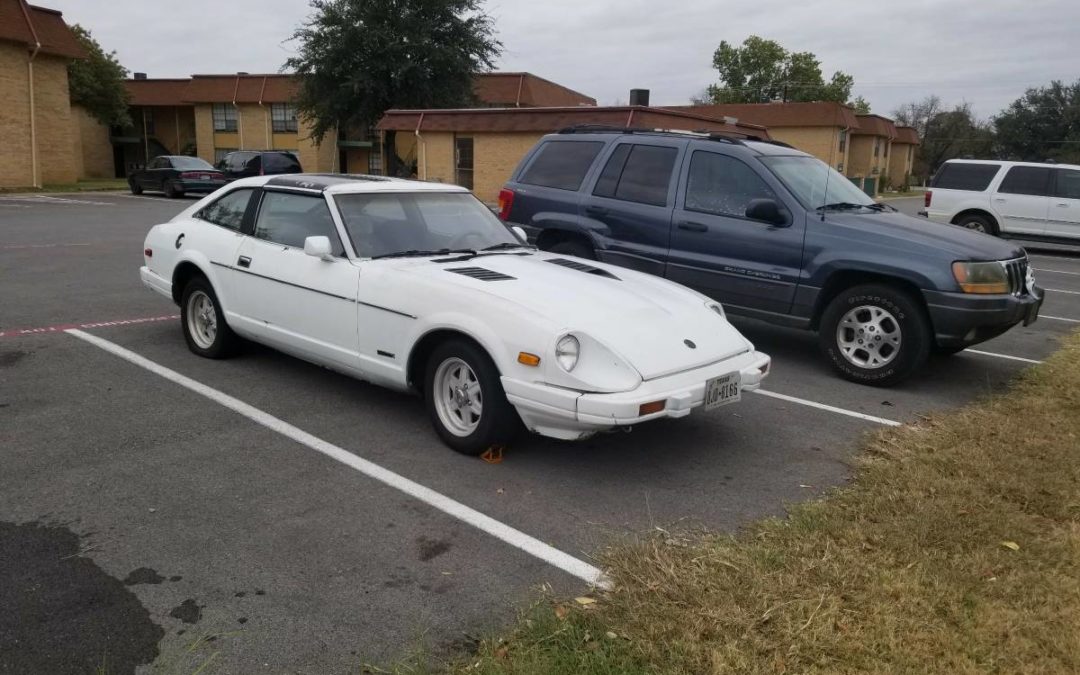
(566, 352)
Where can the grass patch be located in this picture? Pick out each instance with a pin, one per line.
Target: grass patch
(80, 186)
(955, 549)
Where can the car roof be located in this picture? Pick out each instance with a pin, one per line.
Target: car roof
(1003, 162)
(345, 183)
(754, 145)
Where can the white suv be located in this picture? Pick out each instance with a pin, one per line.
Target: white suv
(1009, 199)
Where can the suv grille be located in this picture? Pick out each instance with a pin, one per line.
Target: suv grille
(1017, 271)
(581, 267)
(480, 273)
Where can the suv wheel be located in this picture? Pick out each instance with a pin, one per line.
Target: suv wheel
(875, 334)
(978, 223)
(575, 248)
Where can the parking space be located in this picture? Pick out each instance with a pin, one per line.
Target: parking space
(303, 563)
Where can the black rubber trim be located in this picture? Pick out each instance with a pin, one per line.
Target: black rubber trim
(386, 354)
(287, 283)
(385, 309)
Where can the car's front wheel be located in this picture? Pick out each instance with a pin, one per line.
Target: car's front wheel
(465, 399)
(136, 189)
(875, 334)
(205, 330)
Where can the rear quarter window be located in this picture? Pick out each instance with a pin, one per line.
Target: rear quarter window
(280, 163)
(561, 164)
(971, 177)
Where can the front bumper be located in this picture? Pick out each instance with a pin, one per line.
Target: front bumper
(568, 414)
(964, 319)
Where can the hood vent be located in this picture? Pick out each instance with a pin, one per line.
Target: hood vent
(581, 267)
(480, 273)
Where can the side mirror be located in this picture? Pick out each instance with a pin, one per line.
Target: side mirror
(318, 247)
(767, 211)
(520, 232)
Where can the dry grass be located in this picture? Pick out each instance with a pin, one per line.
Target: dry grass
(956, 549)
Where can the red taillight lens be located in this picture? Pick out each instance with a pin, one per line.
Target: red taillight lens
(506, 202)
(148, 252)
(926, 198)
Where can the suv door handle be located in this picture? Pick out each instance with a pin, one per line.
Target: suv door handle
(691, 226)
(244, 262)
(1062, 206)
(1000, 199)
(596, 210)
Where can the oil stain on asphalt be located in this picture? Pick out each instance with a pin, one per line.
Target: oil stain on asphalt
(61, 613)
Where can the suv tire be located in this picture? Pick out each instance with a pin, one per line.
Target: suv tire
(979, 223)
(575, 248)
(875, 334)
(455, 419)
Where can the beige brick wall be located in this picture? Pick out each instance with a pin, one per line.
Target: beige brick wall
(56, 156)
(900, 163)
(174, 127)
(861, 158)
(204, 131)
(821, 142)
(495, 156)
(316, 158)
(91, 147)
(436, 156)
(15, 162)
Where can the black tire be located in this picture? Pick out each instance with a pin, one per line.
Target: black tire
(136, 189)
(171, 192)
(224, 342)
(498, 421)
(979, 223)
(900, 315)
(574, 247)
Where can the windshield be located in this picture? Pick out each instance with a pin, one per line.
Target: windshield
(806, 177)
(190, 163)
(417, 223)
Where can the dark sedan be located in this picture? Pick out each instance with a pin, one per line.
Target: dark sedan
(176, 175)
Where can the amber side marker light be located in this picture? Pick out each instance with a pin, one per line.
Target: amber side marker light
(528, 359)
(652, 407)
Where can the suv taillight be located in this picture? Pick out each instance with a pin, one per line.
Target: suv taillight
(506, 202)
(926, 199)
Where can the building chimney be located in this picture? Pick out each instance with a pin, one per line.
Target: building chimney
(139, 76)
(639, 97)
(243, 72)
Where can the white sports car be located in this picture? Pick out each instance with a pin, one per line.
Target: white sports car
(418, 286)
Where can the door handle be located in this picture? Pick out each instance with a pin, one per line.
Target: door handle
(1063, 206)
(596, 210)
(244, 262)
(1000, 199)
(691, 226)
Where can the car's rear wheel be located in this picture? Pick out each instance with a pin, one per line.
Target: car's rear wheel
(875, 334)
(575, 248)
(979, 223)
(171, 191)
(205, 329)
(136, 189)
(465, 399)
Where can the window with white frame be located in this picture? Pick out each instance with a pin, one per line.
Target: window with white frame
(283, 117)
(224, 117)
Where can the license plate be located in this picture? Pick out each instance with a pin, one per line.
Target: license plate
(723, 390)
(204, 176)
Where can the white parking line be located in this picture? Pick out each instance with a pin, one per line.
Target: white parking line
(1058, 318)
(1059, 290)
(516, 538)
(1040, 269)
(999, 356)
(822, 406)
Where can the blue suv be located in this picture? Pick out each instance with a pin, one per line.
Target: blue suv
(775, 234)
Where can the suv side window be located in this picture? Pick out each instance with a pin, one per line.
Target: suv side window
(279, 162)
(1027, 180)
(973, 177)
(228, 211)
(561, 164)
(1068, 183)
(723, 186)
(638, 173)
(288, 219)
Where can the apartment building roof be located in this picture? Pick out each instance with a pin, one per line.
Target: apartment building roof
(32, 25)
(875, 125)
(519, 89)
(906, 135)
(801, 114)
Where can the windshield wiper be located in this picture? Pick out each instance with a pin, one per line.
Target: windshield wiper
(505, 245)
(842, 206)
(878, 206)
(419, 253)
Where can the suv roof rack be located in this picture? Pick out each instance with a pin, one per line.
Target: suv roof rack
(703, 134)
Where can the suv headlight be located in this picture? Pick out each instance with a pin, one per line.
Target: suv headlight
(567, 350)
(981, 277)
(715, 306)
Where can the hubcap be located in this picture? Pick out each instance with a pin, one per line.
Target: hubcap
(201, 319)
(975, 225)
(459, 401)
(869, 336)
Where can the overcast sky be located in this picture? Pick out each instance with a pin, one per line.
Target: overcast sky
(985, 52)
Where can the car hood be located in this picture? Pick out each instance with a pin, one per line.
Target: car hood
(927, 236)
(650, 322)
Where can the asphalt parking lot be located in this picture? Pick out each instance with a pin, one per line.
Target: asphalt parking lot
(171, 529)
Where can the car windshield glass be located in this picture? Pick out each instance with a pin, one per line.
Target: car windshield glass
(190, 163)
(807, 177)
(389, 223)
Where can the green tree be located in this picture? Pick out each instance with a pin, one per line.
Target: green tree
(761, 70)
(97, 82)
(359, 58)
(945, 134)
(1042, 124)
(861, 105)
